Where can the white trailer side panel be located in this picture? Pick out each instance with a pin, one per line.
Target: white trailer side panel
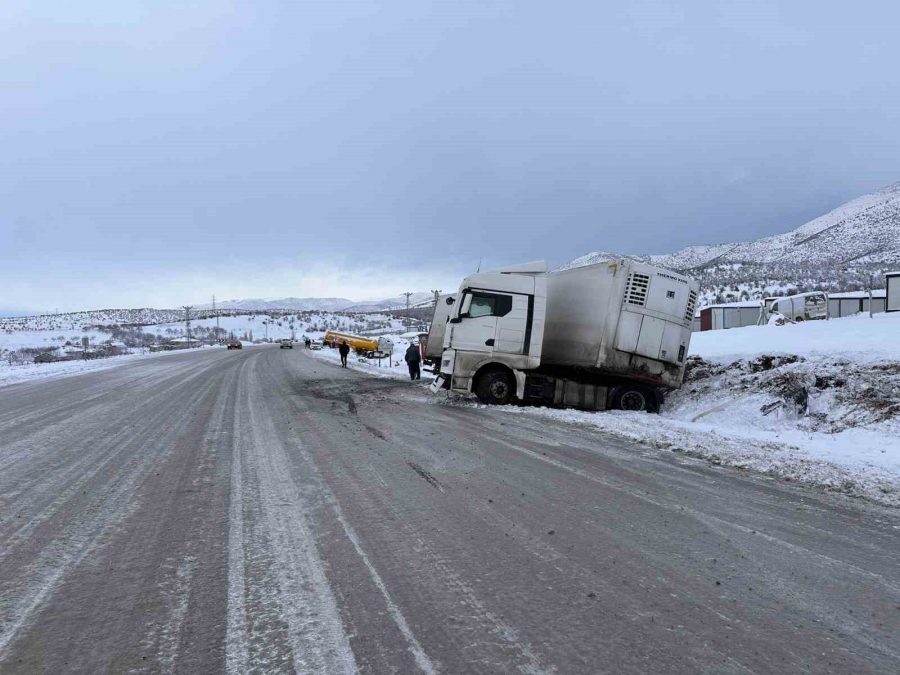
(583, 307)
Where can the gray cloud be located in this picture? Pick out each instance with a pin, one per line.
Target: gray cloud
(155, 153)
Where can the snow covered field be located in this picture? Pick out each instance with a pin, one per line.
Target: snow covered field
(13, 374)
(47, 339)
(50, 333)
(831, 391)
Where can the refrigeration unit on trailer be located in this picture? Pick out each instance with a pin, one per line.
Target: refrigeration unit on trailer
(613, 334)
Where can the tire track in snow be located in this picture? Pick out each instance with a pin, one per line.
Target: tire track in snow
(53, 491)
(237, 655)
(487, 622)
(282, 545)
(26, 590)
(418, 652)
(422, 659)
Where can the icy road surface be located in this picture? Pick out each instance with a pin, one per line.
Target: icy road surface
(262, 511)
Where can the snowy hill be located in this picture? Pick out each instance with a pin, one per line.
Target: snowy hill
(297, 304)
(841, 250)
(865, 230)
(99, 317)
(421, 299)
(321, 304)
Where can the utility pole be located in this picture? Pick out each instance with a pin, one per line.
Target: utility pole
(437, 295)
(187, 323)
(871, 286)
(216, 312)
(407, 294)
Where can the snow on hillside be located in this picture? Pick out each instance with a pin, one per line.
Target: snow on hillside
(864, 230)
(847, 249)
(47, 339)
(323, 304)
(82, 320)
(257, 326)
(297, 304)
(397, 303)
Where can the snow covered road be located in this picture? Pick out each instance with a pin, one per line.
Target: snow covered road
(264, 511)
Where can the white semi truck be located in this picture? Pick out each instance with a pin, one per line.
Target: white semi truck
(610, 335)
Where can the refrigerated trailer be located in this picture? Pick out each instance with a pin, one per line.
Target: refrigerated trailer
(610, 335)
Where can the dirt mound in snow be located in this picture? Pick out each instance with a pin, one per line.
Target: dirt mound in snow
(814, 395)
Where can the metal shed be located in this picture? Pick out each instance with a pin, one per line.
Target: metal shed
(730, 315)
(854, 302)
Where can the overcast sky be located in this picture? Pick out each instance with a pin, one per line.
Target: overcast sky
(157, 153)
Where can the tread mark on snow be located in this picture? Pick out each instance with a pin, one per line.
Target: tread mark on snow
(431, 480)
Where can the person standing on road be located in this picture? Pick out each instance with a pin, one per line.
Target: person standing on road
(412, 360)
(344, 349)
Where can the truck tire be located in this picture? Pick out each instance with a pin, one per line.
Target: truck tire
(495, 387)
(636, 398)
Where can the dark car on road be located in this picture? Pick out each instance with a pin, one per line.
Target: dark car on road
(235, 344)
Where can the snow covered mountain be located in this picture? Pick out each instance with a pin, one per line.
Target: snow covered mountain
(322, 304)
(416, 299)
(848, 248)
(298, 304)
(864, 231)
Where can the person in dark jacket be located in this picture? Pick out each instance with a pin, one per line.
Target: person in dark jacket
(412, 360)
(344, 349)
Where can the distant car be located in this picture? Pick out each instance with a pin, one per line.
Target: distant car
(285, 344)
(235, 344)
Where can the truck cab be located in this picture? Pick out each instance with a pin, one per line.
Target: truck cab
(495, 332)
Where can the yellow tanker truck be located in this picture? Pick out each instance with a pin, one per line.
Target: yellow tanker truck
(361, 344)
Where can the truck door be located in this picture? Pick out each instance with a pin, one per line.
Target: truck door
(474, 330)
(512, 323)
(491, 321)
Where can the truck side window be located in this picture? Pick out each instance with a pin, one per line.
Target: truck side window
(489, 304)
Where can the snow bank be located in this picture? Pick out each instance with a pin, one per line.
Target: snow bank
(817, 401)
(857, 337)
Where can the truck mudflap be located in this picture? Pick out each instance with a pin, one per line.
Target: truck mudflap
(440, 382)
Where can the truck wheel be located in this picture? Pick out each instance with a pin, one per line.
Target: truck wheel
(495, 387)
(635, 398)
